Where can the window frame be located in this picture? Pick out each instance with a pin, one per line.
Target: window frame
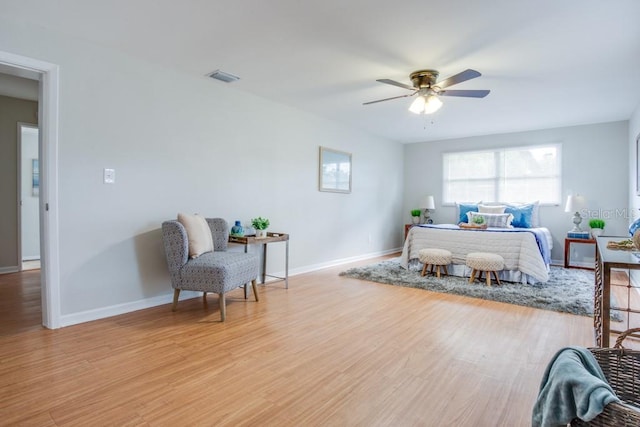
(498, 168)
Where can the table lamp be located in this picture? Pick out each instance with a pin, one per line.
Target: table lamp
(428, 203)
(575, 204)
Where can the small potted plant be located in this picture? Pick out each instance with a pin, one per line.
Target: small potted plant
(479, 221)
(597, 227)
(415, 215)
(261, 225)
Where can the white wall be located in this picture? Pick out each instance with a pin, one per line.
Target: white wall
(181, 142)
(594, 164)
(634, 133)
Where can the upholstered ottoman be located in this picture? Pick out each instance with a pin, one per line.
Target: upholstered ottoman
(435, 258)
(484, 262)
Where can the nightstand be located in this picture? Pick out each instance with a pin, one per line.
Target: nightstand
(407, 227)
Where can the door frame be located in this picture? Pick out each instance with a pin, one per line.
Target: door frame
(48, 113)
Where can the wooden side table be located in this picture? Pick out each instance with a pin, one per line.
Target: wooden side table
(407, 227)
(567, 250)
(271, 238)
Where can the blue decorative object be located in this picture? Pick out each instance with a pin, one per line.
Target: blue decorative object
(464, 208)
(522, 215)
(237, 230)
(634, 226)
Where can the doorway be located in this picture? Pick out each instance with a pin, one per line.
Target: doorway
(47, 76)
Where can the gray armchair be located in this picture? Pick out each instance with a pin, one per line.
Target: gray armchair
(219, 271)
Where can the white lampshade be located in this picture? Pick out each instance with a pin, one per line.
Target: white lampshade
(575, 203)
(417, 106)
(428, 203)
(432, 105)
(426, 104)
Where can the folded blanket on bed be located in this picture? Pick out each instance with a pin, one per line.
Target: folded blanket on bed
(573, 386)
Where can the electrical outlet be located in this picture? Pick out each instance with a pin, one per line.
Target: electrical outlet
(109, 176)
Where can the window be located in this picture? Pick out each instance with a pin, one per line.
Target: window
(519, 174)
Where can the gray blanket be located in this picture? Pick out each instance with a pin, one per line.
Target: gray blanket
(573, 386)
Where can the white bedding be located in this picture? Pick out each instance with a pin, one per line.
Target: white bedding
(523, 261)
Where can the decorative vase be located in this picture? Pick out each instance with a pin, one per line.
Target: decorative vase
(595, 232)
(634, 226)
(261, 234)
(636, 239)
(237, 230)
(415, 219)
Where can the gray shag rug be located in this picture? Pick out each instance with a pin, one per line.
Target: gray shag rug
(567, 291)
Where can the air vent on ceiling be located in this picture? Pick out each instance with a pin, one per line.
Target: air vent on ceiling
(223, 77)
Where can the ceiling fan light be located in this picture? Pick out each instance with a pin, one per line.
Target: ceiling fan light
(417, 106)
(432, 104)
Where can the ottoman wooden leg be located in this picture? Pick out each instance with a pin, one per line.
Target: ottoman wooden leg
(424, 269)
(495, 274)
(473, 275)
(446, 273)
(488, 277)
(438, 271)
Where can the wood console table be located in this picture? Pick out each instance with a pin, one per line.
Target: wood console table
(271, 238)
(606, 261)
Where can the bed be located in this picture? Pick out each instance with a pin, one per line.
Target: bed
(526, 251)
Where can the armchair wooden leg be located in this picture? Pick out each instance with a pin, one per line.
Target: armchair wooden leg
(255, 289)
(176, 294)
(245, 290)
(223, 307)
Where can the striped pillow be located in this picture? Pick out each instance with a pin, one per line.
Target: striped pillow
(492, 220)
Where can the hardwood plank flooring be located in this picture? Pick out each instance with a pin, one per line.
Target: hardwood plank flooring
(20, 303)
(328, 351)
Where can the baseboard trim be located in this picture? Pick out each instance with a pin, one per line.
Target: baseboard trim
(11, 269)
(116, 310)
(334, 263)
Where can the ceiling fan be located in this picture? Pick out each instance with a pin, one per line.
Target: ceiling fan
(428, 91)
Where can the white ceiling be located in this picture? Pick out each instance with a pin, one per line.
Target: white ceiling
(548, 63)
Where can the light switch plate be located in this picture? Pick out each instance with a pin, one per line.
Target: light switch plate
(109, 176)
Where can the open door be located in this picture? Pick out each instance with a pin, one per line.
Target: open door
(29, 197)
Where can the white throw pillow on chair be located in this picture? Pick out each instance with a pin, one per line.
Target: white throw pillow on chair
(198, 232)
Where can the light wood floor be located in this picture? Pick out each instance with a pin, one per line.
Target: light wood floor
(328, 351)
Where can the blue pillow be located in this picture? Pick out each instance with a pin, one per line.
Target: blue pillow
(464, 208)
(522, 215)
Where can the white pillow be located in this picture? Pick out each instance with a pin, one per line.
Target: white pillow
(198, 232)
(492, 220)
(491, 209)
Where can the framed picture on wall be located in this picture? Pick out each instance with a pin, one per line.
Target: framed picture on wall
(335, 171)
(35, 177)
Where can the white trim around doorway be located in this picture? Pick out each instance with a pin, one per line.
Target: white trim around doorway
(48, 123)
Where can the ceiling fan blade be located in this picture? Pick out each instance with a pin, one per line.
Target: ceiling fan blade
(388, 99)
(458, 78)
(395, 83)
(465, 93)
